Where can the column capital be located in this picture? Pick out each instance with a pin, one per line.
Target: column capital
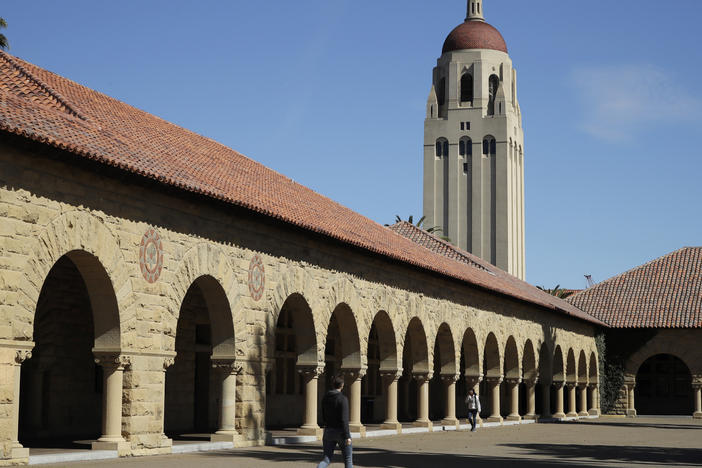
(558, 383)
(593, 384)
(450, 378)
(311, 371)
(630, 381)
(697, 385)
(571, 384)
(112, 360)
(422, 377)
(531, 381)
(168, 362)
(582, 385)
(392, 375)
(494, 379)
(22, 355)
(513, 380)
(227, 365)
(473, 380)
(355, 374)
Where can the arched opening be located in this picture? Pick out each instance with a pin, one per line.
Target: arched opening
(382, 358)
(511, 375)
(491, 369)
(493, 87)
(342, 352)
(62, 388)
(529, 375)
(489, 146)
(664, 386)
(444, 365)
(442, 148)
(415, 361)
(543, 389)
(470, 367)
(559, 377)
(467, 88)
(582, 369)
(571, 370)
(295, 346)
(465, 147)
(205, 331)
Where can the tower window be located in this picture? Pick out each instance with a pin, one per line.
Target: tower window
(465, 147)
(442, 148)
(489, 146)
(467, 88)
(463, 125)
(462, 148)
(493, 86)
(441, 92)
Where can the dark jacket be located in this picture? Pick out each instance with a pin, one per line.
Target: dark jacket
(335, 412)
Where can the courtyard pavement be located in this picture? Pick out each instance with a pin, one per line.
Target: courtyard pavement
(608, 441)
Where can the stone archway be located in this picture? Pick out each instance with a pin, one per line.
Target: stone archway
(294, 369)
(528, 397)
(414, 396)
(664, 386)
(379, 386)
(471, 369)
(76, 325)
(442, 387)
(509, 395)
(198, 400)
(490, 388)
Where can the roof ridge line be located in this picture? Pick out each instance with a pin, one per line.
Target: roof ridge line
(44, 87)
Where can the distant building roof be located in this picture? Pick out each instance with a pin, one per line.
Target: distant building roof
(663, 293)
(41, 106)
(512, 283)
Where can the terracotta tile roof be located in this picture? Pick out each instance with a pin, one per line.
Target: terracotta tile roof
(44, 107)
(499, 277)
(664, 293)
(474, 35)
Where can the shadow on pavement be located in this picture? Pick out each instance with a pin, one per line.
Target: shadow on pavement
(671, 456)
(372, 457)
(636, 424)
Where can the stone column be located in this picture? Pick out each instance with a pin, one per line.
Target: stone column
(594, 403)
(494, 384)
(113, 365)
(531, 399)
(355, 377)
(697, 394)
(630, 404)
(17, 452)
(473, 381)
(545, 401)
(423, 400)
(227, 409)
(583, 401)
(390, 379)
(310, 376)
(559, 400)
(450, 408)
(572, 406)
(513, 385)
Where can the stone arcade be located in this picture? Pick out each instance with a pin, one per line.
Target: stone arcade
(154, 283)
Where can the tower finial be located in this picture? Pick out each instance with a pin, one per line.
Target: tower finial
(475, 10)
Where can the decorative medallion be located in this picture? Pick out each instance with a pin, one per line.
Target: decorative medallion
(151, 256)
(257, 278)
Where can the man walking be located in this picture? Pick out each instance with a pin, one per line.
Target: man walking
(473, 403)
(335, 412)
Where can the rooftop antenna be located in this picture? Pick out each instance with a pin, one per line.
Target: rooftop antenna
(590, 283)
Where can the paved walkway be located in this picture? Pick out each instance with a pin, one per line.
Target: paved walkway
(612, 441)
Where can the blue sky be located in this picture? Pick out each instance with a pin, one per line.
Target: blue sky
(332, 93)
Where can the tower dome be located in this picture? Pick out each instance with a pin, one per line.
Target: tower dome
(475, 33)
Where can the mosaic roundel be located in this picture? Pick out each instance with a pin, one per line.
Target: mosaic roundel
(257, 278)
(151, 256)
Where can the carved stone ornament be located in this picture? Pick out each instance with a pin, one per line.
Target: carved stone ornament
(112, 360)
(513, 380)
(227, 365)
(168, 362)
(151, 255)
(22, 355)
(354, 374)
(450, 378)
(257, 278)
(393, 376)
(422, 377)
(558, 383)
(312, 372)
(494, 379)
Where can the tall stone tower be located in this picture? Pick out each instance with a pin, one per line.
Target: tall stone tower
(474, 146)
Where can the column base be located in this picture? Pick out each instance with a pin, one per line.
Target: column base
(18, 456)
(514, 417)
(494, 419)
(583, 414)
(225, 436)
(121, 446)
(594, 412)
(572, 415)
(358, 429)
(450, 422)
(310, 431)
(392, 426)
(697, 416)
(558, 416)
(428, 424)
(631, 413)
(530, 417)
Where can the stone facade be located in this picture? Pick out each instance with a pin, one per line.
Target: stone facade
(61, 219)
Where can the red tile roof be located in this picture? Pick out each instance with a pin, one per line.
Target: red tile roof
(446, 249)
(44, 107)
(664, 293)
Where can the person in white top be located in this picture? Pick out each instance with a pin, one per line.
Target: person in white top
(473, 403)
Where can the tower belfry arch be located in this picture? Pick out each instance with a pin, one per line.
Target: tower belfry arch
(475, 193)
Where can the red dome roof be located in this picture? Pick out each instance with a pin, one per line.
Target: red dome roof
(475, 35)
